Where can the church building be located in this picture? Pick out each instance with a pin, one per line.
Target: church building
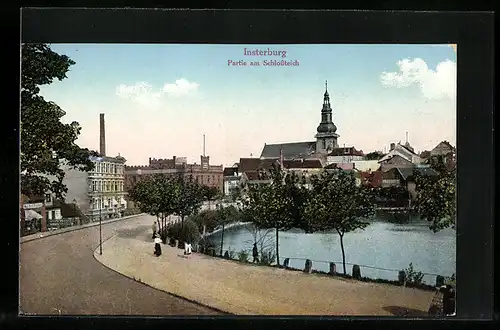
(325, 143)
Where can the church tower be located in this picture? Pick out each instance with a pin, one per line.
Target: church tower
(326, 138)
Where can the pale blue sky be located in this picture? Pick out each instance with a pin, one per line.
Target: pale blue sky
(241, 108)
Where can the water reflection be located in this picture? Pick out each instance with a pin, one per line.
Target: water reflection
(384, 243)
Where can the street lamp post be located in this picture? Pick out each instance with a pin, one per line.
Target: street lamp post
(74, 213)
(100, 220)
(221, 217)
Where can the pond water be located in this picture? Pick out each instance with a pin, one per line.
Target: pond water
(384, 244)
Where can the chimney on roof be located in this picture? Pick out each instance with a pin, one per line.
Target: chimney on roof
(203, 145)
(102, 135)
(393, 146)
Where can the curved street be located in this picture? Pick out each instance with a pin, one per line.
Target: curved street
(59, 275)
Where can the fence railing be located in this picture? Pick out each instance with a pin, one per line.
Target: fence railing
(323, 266)
(428, 277)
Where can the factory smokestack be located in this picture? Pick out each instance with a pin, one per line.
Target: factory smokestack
(102, 135)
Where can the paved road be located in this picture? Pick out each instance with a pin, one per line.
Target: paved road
(59, 275)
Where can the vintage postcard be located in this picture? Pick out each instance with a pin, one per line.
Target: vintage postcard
(244, 179)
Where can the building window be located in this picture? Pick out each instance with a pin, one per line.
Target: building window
(116, 186)
(94, 185)
(53, 215)
(48, 198)
(323, 144)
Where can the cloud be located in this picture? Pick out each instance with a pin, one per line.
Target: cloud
(180, 87)
(146, 95)
(434, 84)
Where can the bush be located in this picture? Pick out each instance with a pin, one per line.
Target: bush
(412, 276)
(267, 258)
(207, 218)
(185, 233)
(450, 280)
(171, 242)
(206, 244)
(231, 253)
(243, 256)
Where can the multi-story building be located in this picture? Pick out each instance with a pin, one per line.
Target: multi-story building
(399, 155)
(444, 152)
(232, 178)
(344, 155)
(106, 188)
(99, 193)
(204, 173)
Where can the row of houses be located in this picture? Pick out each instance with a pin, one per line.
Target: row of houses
(394, 169)
(91, 196)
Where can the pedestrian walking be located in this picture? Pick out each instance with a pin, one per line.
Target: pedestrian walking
(255, 253)
(155, 229)
(157, 241)
(187, 248)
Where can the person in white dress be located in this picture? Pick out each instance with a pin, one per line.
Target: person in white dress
(187, 248)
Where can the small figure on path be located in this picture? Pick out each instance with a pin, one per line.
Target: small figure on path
(154, 227)
(187, 248)
(255, 253)
(157, 241)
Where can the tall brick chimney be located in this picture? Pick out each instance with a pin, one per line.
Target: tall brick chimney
(102, 136)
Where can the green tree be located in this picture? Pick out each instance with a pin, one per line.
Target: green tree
(168, 196)
(336, 203)
(235, 194)
(436, 197)
(269, 206)
(189, 196)
(206, 218)
(146, 196)
(296, 195)
(210, 193)
(375, 155)
(46, 142)
(188, 233)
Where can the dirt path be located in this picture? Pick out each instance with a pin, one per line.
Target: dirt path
(246, 289)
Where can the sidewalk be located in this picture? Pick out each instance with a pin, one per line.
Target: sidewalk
(244, 289)
(32, 237)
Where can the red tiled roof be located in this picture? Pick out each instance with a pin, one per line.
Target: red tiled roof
(255, 175)
(347, 151)
(230, 171)
(253, 164)
(305, 163)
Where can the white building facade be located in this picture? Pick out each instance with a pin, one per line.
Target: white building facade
(106, 193)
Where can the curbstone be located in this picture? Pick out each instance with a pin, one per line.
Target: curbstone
(333, 268)
(308, 266)
(356, 272)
